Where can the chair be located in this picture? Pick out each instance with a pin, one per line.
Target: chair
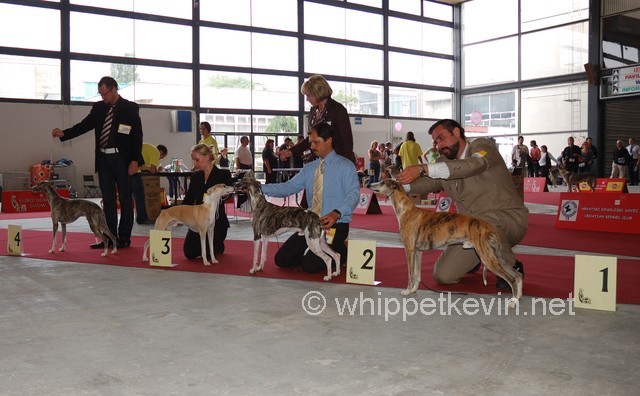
(91, 189)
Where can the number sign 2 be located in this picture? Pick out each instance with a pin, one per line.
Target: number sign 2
(361, 262)
(595, 282)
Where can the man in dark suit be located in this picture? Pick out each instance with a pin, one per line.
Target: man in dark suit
(118, 129)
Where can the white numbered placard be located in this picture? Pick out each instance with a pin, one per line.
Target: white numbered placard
(14, 240)
(361, 262)
(160, 248)
(595, 282)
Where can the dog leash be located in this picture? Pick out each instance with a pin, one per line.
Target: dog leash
(443, 291)
(51, 151)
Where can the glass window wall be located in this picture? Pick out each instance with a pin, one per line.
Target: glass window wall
(555, 52)
(29, 27)
(23, 77)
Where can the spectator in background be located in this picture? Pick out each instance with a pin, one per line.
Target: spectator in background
(298, 162)
(519, 155)
(269, 162)
(383, 161)
(586, 158)
(571, 156)
(244, 161)
(162, 149)
(545, 163)
(397, 159)
(150, 161)
(534, 159)
(634, 151)
(594, 150)
(410, 152)
(288, 162)
(621, 160)
(431, 154)
(223, 162)
(244, 158)
(374, 162)
(325, 109)
(207, 138)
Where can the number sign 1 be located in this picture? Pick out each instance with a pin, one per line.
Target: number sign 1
(160, 248)
(361, 262)
(595, 282)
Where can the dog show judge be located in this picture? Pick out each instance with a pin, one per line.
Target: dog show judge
(118, 131)
(475, 176)
(332, 191)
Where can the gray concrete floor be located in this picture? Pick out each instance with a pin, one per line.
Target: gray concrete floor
(77, 329)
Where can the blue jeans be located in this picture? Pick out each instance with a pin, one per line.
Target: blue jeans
(113, 173)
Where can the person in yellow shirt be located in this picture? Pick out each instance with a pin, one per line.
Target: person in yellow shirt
(151, 157)
(207, 138)
(410, 151)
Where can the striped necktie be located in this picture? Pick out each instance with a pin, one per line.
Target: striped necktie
(318, 180)
(106, 129)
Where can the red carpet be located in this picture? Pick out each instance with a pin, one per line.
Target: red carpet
(546, 276)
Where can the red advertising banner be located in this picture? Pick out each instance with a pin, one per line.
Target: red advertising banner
(618, 185)
(535, 184)
(368, 203)
(600, 212)
(27, 201)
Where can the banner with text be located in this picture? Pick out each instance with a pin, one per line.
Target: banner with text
(27, 201)
(599, 212)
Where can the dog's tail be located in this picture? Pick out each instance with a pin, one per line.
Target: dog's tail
(490, 251)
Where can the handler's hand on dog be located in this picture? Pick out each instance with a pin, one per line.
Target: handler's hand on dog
(329, 220)
(409, 174)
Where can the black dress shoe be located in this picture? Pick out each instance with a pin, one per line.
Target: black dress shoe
(123, 244)
(502, 284)
(100, 245)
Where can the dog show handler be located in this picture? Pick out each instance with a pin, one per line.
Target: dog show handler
(475, 176)
(340, 195)
(118, 130)
(208, 175)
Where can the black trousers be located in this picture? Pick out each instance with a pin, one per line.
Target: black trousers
(113, 175)
(192, 248)
(292, 251)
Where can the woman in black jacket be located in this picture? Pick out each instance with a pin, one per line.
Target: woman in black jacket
(208, 175)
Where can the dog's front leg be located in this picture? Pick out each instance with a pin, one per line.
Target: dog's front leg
(256, 251)
(263, 257)
(145, 250)
(64, 237)
(203, 247)
(210, 239)
(412, 271)
(55, 233)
